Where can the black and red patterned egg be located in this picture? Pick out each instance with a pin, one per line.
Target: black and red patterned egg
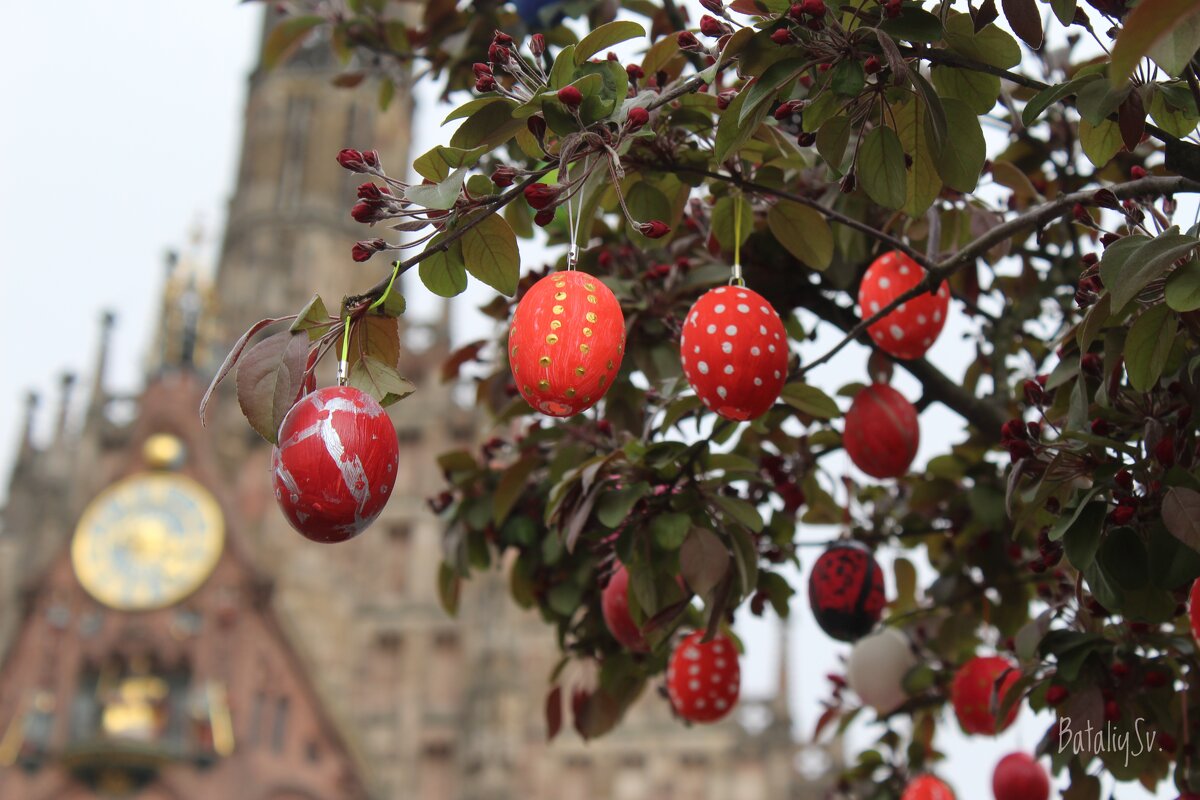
(566, 342)
(703, 678)
(846, 592)
(734, 352)
(911, 329)
(335, 464)
(882, 432)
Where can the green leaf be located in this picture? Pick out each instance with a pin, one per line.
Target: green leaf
(1096, 100)
(1177, 118)
(314, 319)
(978, 90)
(991, 45)
(286, 37)
(803, 231)
(444, 273)
(1094, 322)
(739, 511)
(703, 561)
(810, 400)
(848, 78)
(448, 585)
(1123, 558)
(964, 152)
(269, 378)
(1025, 19)
(765, 88)
(732, 132)
(1100, 142)
(1053, 94)
(725, 225)
(1064, 10)
(614, 506)
(1148, 345)
(1116, 256)
(380, 380)
(924, 184)
(490, 126)
(881, 170)
(605, 37)
(437, 164)
(1183, 287)
(914, 25)
(490, 253)
(669, 530)
(1082, 538)
(935, 112)
(1147, 263)
(832, 139)
(509, 490)
(1147, 25)
(441, 196)
(1173, 52)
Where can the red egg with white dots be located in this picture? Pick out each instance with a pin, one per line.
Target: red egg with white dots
(334, 467)
(566, 343)
(927, 787)
(912, 328)
(973, 690)
(703, 678)
(1194, 609)
(734, 352)
(614, 605)
(882, 432)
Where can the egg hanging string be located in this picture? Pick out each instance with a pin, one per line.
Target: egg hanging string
(573, 219)
(736, 279)
(343, 370)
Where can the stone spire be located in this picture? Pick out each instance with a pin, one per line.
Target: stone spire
(66, 386)
(99, 394)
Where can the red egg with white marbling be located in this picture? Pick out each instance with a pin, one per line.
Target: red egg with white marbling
(334, 467)
(974, 688)
(703, 678)
(734, 352)
(566, 343)
(911, 329)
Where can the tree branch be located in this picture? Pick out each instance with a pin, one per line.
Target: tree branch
(1036, 217)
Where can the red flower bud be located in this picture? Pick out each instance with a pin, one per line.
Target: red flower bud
(365, 249)
(352, 160)
(480, 69)
(1156, 679)
(688, 41)
(892, 9)
(1100, 427)
(635, 72)
(781, 36)
(485, 84)
(785, 110)
(1122, 515)
(1167, 742)
(638, 117)
(654, 229)
(537, 45)
(725, 98)
(540, 195)
(543, 217)
(570, 96)
(872, 65)
(1137, 173)
(1124, 479)
(814, 8)
(1164, 452)
(504, 176)
(1119, 670)
(1091, 363)
(502, 38)
(1112, 711)
(1081, 214)
(371, 191)
(1056, 694)
(1034, 395)
(711, 26)
(796, 11)
(498, 54)
(365, 212)
(806, 139)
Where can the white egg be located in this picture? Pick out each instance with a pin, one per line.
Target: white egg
(876, 669)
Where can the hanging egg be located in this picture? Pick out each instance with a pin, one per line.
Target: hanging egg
(881, 432)
(927, 787)
(909, 330)
(876, 669)
(614, 605)
(734, 352)
(703, 679)
(335, 465)
(566, 343)
(972, 690)
(846, 592)
(1194, 609)
(1019, 776)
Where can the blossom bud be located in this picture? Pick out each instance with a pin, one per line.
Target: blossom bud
(654, 229)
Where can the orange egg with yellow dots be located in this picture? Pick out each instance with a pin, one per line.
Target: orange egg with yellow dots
(566, 342)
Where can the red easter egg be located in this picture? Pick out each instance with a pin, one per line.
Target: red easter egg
(1194, 609)
(972, 689)
(881, 432)
(1019, 776)
(734, 352)
(335, 464)
(566, 342)
(846, 592)
(703, 680)
(614, 604)
(927, 787)
(909, 330)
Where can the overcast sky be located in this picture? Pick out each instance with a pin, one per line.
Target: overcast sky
(121, 133)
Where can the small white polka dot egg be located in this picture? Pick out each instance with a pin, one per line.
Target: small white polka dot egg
(734, 352)
(912, 328)
(703, 678)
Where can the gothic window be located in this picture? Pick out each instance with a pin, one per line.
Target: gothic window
(295, 147)
(280, 728)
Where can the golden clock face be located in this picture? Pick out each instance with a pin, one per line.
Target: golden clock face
(148, 541)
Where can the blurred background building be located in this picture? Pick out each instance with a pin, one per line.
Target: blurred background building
(164, 635)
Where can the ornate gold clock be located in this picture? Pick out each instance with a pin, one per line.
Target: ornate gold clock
(148, 541)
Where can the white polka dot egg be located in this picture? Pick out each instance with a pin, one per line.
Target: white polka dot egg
(703, 678)
(912, 328)
(734, 352)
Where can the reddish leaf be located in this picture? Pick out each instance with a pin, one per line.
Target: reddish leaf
(269, 377)
(453, 363)
(985, 15)
(1181, 515)
(232, 358)
(703, 561)
(1024, 19)
(553, 713)
(348, 80)
(1131, 118)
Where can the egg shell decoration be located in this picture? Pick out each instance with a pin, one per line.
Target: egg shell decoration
(734, 352)
(881, 432)
(876, 669)
(335, 464)
(1019, 776)
(971, 693)
(614, 605)
(704, 680)
(1194, 609)
(566, 343)
(846, 592)
(927, 787)
(911, 329)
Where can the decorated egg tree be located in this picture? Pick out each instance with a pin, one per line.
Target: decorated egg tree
(789, 262)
